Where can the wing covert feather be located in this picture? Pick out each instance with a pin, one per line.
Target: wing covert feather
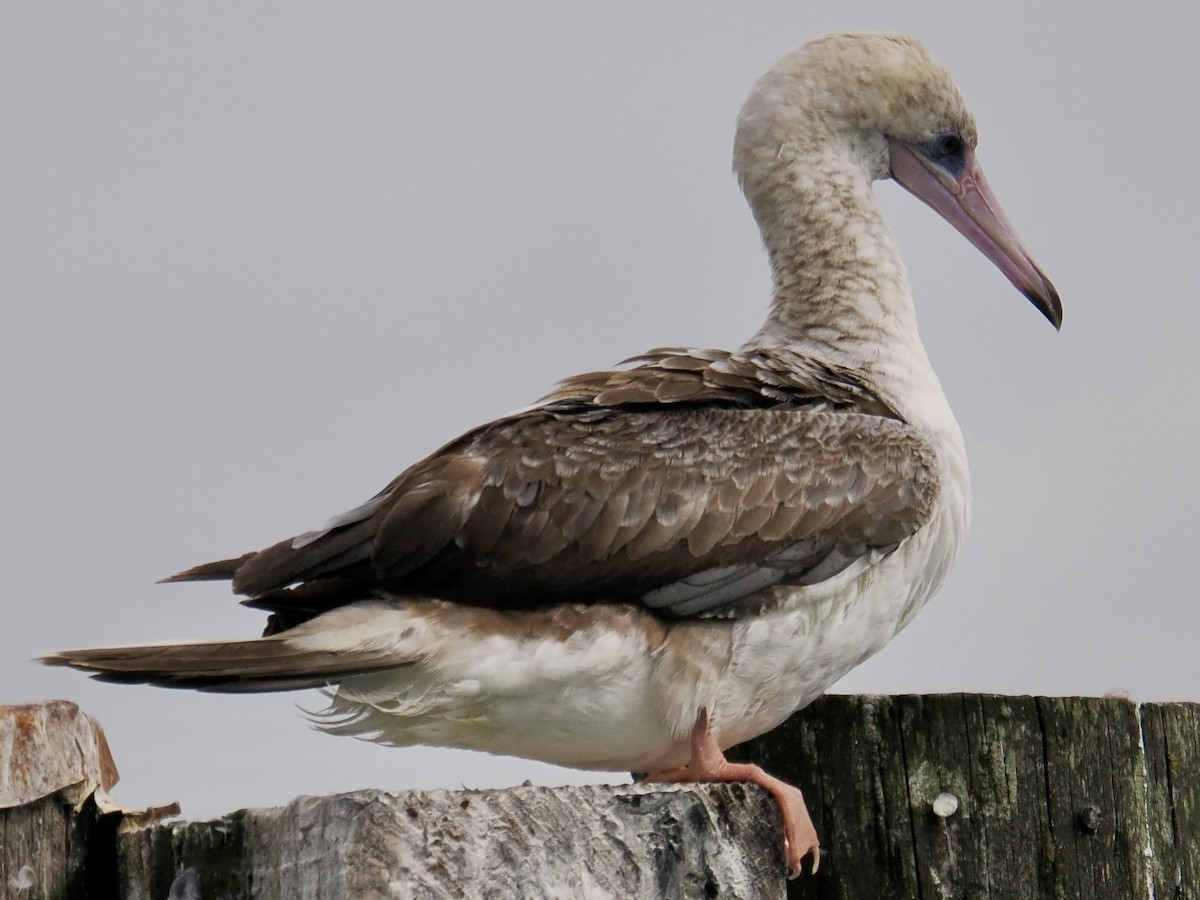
(759, 466)
(639, 514)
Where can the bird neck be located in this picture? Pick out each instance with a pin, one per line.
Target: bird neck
(840, 289)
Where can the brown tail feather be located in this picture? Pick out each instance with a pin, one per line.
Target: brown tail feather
(221, 570)
(284, 563)
(251, 666)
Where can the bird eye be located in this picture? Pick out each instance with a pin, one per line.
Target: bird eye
(947, 145)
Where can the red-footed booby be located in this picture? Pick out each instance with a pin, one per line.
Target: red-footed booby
(656, 562)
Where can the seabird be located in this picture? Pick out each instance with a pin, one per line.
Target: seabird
(656, 562)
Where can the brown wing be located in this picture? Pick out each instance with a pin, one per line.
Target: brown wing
(688, 483)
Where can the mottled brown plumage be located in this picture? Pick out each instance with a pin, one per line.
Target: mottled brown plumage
(621, 486)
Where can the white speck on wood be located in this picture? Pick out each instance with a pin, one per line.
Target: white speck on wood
(945, 805)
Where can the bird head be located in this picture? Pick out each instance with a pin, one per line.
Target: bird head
(883, 104)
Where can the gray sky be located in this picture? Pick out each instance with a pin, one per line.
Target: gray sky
(256, 259)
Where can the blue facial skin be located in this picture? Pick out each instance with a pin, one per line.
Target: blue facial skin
(949, 151)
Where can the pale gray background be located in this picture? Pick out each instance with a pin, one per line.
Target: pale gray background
(257, 258)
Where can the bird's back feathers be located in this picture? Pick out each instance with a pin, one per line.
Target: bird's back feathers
(649, 483)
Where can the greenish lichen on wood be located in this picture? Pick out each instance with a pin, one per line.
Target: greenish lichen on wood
(1171, 740)
(1054, 797)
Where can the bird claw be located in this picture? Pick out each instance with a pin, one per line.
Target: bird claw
(800, 835)
(795, 861)
(708, 763)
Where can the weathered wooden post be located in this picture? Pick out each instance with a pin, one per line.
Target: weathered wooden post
(55, 840)
(630, 842)
(977, 796)
(953, 796)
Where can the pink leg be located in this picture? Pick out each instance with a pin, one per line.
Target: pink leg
(708, 763)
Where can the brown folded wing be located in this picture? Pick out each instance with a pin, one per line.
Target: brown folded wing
(689, 483)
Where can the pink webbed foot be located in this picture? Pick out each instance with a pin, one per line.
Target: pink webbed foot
(708, 764)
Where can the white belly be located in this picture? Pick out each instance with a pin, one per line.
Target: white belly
(620, 690)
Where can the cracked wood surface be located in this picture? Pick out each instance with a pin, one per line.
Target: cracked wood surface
(1040, 798)
(637, 842)
(1055, 797)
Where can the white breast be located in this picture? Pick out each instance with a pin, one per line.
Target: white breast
(783, 660)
